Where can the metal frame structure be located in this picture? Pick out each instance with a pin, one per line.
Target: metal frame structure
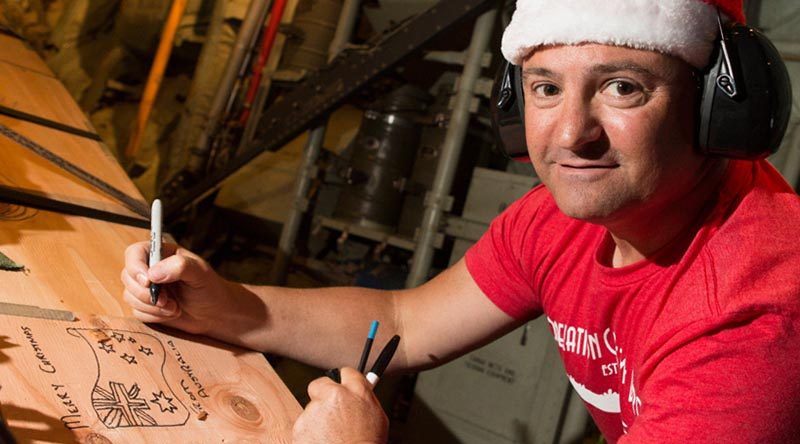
(320, 93)
(308, 167)
(439, 200)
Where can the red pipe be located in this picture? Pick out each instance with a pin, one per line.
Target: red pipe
(270, 32)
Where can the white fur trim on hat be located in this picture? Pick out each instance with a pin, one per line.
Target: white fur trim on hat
(683, 28)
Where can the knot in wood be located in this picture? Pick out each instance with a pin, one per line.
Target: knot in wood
(96, 438)
(97, 322)
(244, 408)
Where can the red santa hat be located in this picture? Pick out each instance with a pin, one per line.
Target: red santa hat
(683, 28)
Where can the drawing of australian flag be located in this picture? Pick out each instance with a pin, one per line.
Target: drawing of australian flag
(130, 389)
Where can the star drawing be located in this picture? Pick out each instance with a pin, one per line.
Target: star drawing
(163, 402)
(129, 358)
(107, 347)
(145, 350)
(118, 336)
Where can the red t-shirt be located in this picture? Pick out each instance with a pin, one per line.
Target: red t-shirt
(698, 343)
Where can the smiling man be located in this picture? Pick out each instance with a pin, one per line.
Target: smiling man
(610, 131)
(668, 276)
(665, 273)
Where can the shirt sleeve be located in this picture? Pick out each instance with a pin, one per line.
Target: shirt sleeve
(498, 261)
(737, 382)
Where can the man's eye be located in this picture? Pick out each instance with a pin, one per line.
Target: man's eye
(621, 88)
(546, 90)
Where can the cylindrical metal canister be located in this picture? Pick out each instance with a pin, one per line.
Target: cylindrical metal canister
(383, 156)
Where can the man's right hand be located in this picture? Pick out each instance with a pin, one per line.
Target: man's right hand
(191, 294)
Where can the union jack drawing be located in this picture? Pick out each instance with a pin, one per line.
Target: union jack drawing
(121, 407)
(131, 389)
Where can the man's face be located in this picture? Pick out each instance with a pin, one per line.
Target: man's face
(610, 129)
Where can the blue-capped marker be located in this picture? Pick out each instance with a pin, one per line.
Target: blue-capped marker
(155, 245)
(362, 365)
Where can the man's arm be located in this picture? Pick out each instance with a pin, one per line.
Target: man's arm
(325, 327)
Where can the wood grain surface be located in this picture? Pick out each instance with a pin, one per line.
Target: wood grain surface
(14, 52)
(113, 380)
(89, 381)
(71, 262)
(34, 92)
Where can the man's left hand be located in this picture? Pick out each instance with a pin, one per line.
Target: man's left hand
(346, 413)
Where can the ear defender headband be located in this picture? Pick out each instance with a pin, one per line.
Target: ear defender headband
(745, 101)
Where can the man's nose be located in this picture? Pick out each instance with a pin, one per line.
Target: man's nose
(577, 123)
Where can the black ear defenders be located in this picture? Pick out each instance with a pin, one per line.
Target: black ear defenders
(745, 100)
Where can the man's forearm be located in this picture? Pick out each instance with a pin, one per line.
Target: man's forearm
(321, 327)
(327, 327)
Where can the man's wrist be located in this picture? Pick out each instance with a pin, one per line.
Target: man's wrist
(244, 315)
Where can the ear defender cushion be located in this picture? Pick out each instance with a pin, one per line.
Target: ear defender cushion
(747, 119)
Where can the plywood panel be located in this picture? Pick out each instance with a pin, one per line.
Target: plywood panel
(109, 380)
(42, 95)
(14, 52)
(21, 168)
(103, 379)
(72, 262)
